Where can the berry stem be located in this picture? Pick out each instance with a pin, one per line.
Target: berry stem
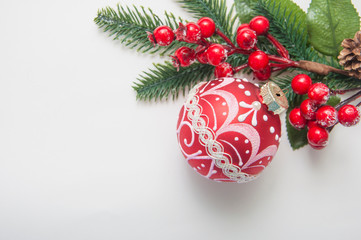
(204, 42)
(282, 60)
(225, 38)
(319, 68)
(239, 68)
(348, 100)
(280, 48)
(281, 66)
(343, 91)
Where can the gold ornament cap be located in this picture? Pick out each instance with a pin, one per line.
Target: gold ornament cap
(274, 98)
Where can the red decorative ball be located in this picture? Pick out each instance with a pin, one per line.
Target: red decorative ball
(162, 35)
(193, 34)
(296, 119)
(207, 26)
(258, 60)
(246, 39)
(225, 131)
(317, 136)
(326, 116)
(243, 26)
(319, 93)
(183, 56)
(223, 70)
(263, 74)
(301, 83)
(349, 115)
(216, 54)
(308, 109)
(259, 24)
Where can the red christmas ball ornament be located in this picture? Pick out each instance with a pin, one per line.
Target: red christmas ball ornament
(227, 132)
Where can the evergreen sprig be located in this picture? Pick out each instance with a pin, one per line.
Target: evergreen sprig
(164, 80)
(289, 32)
(130, 25)
(216, 9)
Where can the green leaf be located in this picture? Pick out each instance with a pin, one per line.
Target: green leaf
(334, 100)
(329, 22)
(245, 9)
(297, 138)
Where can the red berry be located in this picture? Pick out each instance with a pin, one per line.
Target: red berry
(193, 32)
(243, 26)
(296, 119)
(216, 54)
(308, 109)
(263, 74)
(223, 70)
(259, 24)
(348, 115)
(317, 147)
(319, 93)
(258, 60)
(317, 136)
(162, 35)
(326, 116)
(190, 32)
(201, 54)
(246, 39)
(207, 26)
(183, 56)
(312, 124)
(301, 83)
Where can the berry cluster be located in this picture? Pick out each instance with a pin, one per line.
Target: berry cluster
(216, 54)
(316, 114)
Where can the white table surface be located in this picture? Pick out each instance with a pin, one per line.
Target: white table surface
(80, 158)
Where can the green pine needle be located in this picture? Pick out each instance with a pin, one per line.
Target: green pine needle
(164, 80)
(215, 9)
(130, 26)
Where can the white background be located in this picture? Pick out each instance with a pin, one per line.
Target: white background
(80, 158)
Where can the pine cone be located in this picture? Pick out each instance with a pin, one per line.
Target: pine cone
(350, 56)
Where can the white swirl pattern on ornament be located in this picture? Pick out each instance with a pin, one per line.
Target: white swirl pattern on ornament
(208, 138)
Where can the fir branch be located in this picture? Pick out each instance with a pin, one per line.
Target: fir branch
(164, 80)
(130, 26)
(215, 9)
(286, 30)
